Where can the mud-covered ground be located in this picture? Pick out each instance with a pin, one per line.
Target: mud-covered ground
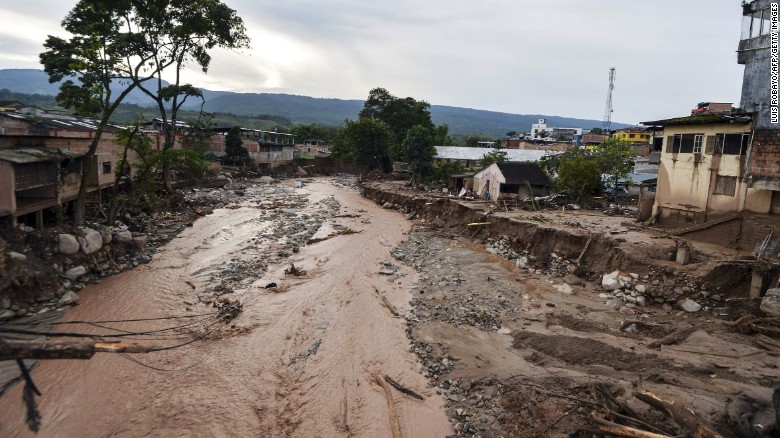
(350, 319)
(514, 356)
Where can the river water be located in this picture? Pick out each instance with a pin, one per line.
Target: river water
(301, 360)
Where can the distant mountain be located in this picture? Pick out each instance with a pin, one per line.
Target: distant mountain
(303, 109)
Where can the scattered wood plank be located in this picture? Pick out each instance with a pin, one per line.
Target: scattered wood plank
(386, 303)
(476, 224)
(682, 415)
(609, 428)
(403, 389)
(332, 235)
(706, 225)
(674, 338)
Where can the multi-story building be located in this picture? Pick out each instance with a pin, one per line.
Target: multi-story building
(722, 165)
(541, 132)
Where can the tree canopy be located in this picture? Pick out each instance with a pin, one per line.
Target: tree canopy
(399, 114)
(495, 155)
(417, 152)
(235, 152)
(366, 143)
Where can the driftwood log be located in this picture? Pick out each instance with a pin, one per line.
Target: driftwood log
(609, 428)
(57, 349)
(682, 415)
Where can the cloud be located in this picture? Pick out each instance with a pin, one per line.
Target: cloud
(518, 56)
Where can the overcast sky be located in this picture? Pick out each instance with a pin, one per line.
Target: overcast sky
(518, 56)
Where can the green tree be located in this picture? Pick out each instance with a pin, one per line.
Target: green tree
(598, 131)
(578, 176)
(399, 114)
(366, 143)
(235, 152)
(102, 51)
(443, 169)
(417, 152)
(472, 140)
(496, 155)
(616, 159)
(179, 32)
(441, 136)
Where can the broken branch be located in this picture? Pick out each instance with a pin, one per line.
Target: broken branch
(682, 415)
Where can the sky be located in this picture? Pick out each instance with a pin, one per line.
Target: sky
(517, 56)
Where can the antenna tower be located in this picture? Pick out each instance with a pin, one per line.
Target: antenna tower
(608, 109)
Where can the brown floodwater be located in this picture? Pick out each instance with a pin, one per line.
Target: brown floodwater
(300, 360)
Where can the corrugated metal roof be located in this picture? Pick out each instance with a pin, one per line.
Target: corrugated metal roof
(463, 153)
(61, 121)
(36, 155)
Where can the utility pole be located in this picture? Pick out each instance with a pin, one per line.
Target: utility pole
(608, 108)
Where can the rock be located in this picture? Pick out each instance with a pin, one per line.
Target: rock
(91, 242)
(105, 233)
(6, 314)
(68, 298)
(74, 273)
(573, 280)
(642, 301)
(266, 180)
(67, 244)
(771, 302)
(688, 305)
(140, 240)
(124, 236)
(5, 303)
(21, 312)
(610, 281)
(522, 262)
(17, 257)
(565, 289)
(641, 288)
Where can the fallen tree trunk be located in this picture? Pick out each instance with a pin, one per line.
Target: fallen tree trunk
(48, 349)
(682, 415)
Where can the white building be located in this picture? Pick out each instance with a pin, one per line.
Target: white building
(541, 132)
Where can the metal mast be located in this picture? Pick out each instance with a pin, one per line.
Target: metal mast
(608, 109)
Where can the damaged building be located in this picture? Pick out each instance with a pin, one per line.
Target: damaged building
(720, 166)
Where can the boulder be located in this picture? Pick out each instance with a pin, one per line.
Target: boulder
(74, 273)
(68, 244)
(68, 298)
(17, 257)
(641, 288)
(105, 233)
(522, 262)
(688, 305)
(610, 281)
(6, 314)
(572, 280)
(771, 302)
(140, 240)
(266, 179)
(91, 242)
(124, 236)
(565, 289)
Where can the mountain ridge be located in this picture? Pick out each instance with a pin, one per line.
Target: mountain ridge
(309, 110)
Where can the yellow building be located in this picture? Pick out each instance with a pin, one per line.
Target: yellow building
(633, 135)
(702, 171)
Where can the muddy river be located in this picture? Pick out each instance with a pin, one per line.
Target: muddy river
(306, 358)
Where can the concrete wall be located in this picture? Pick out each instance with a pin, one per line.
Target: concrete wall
(489, 179)
(754, 54)
(7, 188)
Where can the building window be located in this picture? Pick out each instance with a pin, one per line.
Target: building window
(755, 24)
(106, 167)
(731, 144)
(632, 136)
(697, 142)
(725, 185)
(684, 143)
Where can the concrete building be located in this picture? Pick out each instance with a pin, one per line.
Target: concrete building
(315, 148)
(633, 135)
(267, 149)
(471, 157)
(41, 162)
(541, 132)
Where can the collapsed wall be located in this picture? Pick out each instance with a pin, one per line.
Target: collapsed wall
(639, 278)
